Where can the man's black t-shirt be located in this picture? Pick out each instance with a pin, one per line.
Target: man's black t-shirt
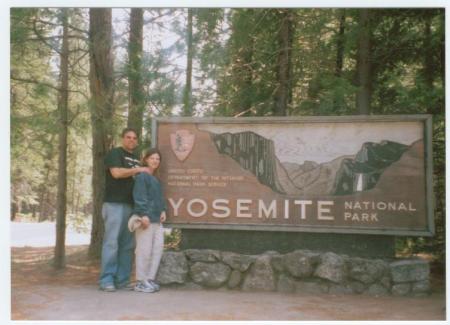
(119, 190)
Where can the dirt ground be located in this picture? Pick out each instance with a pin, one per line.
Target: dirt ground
(38, 292)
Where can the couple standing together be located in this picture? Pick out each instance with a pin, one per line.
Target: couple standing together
(132, 189)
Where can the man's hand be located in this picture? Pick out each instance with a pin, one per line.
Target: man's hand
(145, 222)
(162, 218)
(147, 170)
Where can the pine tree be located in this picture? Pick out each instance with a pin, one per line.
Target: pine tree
(102, 92)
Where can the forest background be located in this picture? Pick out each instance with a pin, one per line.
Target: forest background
(78, 76)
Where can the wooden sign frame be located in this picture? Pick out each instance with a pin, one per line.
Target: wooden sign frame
(177, 125)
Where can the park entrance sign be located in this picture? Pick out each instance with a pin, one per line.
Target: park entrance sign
(356, 175)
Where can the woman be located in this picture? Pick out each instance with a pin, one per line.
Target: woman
(150, 206)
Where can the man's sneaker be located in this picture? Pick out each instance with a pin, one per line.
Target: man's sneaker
(154, 284)
(108, 287)
(127, 286)
(144, 286)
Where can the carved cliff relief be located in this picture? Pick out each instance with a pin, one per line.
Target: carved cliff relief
(344, 175)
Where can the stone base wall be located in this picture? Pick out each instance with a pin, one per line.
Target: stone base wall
(300, 271)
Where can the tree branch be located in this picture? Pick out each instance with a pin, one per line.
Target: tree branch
(42, 39)
(32, 81)
(83, 31)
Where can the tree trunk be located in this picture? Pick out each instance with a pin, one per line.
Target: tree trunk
(442, 50)
(246, 93)
(101, 84)
(428, 68)
(59, 261)
(340, 44)
(43, 192)
(77, 203)
(284, 65)
(187, 95)
(33, 211)
(242, 74)
(42, 195)
(74, 181)
(14, 209)
(135, 87)
(44, 186)
(363, 96)
(428, 62)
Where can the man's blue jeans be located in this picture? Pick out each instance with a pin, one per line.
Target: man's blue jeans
(118, 244)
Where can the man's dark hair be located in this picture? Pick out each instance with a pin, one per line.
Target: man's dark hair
(126, 130)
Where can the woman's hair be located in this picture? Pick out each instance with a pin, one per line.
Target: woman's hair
(148, 153)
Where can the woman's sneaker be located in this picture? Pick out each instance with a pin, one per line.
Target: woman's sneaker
(144, 286)
(154, 284)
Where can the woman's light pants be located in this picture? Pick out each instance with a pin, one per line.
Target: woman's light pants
(149, 249)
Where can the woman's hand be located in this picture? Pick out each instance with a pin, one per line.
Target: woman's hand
(145, 222)
(162, 218)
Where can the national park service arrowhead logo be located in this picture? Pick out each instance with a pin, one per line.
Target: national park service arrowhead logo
(182, 142)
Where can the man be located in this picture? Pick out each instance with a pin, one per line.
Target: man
(117, 252)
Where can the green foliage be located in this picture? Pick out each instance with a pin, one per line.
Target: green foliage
(327, 95)
(247, 83)
(20, 27)
(32, 132)
(34, 117)
(408, 79)
(172, 240)
(79, 222)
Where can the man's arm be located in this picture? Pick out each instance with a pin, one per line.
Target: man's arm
(118, 172)
(115, 165)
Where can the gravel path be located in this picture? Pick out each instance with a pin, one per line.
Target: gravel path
(86, 302)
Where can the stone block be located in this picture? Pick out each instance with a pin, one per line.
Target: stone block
(401, 289)
(357, 287)
(277, 263)
(385, 281)
(301, 263)
(331, 267)
(237, 261)
(235, 279)
(260, 276)
(367, 271)
(412, 270)
(421, 287)
(285, 283)
(209, 274)
(376, 290)
(202, 255)
(173, 268)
